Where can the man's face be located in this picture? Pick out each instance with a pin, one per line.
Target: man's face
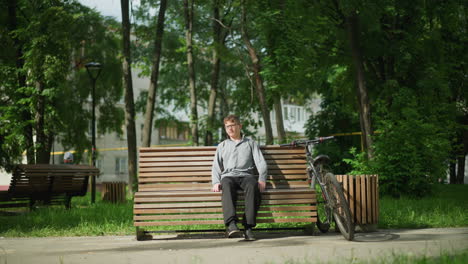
(233, 129)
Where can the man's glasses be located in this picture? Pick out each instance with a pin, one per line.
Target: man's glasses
(230, 126)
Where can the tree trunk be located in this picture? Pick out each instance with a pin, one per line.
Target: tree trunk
(219, 39)
(188, 12)
(461, 169)
(150, 102)
(279, 120)
(215, 62)
(42, 153)
(463, 138)
(256, 67)
(453, 170)
(352, 23)
(129, 103)
(272, 40)
(25, 113)
(224, 106)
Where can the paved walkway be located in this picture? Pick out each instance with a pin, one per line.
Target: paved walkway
(272, 247)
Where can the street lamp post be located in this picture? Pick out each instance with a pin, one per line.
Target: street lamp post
(93, 69)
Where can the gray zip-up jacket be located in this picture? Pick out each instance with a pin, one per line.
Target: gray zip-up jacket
(238, 160)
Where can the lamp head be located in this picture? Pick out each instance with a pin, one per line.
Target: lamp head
(93, 69)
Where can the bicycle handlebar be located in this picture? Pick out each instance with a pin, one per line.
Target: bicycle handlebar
(304, 142)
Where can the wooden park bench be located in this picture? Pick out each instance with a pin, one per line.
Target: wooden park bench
(48, 183)
(174, 189)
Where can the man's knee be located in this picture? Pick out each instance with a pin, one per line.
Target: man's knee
(250, 183)
(227, 181)
(228, 184)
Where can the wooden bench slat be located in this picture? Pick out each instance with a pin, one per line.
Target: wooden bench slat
(286, 161)
(208, 222)
(275, 156)
(183, 164)
(149, 168)
(210, 193)
(282, 157)
(216, 204)
(207, 186)
(207, 178)
(263, 208)
(180, 152)
(168, 175)
(210, 163)
(218, 215)
(144, 150)
(172, 169)
(139, 200)
(177, 159)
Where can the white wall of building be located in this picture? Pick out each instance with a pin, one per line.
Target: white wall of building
(294, 117)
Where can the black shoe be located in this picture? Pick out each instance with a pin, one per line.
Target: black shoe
(248, 234)
(232, 230)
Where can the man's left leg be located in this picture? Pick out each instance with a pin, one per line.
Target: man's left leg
(252, 199)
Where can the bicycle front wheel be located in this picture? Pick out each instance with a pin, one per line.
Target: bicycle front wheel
(339, 205)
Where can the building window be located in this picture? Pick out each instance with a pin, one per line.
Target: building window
(121, 165)
(285, 114)
(99, 164)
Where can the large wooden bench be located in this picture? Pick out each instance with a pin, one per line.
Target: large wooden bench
(174, 190)
(48, 183)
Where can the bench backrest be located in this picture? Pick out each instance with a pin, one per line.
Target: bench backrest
(189, 168)
(40, 180)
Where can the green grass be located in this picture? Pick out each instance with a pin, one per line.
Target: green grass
(444, 258)
(460, 258)
(447, 207)
(83, 219)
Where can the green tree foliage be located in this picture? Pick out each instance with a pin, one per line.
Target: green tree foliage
(413, 144)
(336, 117)
(413, 60)
(413, 56)
(54, 40)
(410, 51)
(236, 93)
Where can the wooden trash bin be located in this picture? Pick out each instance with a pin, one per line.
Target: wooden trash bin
(362, 193)
(113, 192)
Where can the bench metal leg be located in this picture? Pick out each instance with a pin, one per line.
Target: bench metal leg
(141, 235)
(68, 202)
(310, 229)
(31, 204)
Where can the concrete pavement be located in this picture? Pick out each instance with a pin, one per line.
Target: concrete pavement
(271, 247)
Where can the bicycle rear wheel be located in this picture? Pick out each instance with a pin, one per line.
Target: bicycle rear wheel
(324, 211)
(339, 205)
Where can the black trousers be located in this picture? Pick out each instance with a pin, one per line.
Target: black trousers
(252, 199)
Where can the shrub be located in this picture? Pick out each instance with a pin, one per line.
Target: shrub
(412, 146)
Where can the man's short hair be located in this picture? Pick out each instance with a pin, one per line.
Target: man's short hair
(232, 118)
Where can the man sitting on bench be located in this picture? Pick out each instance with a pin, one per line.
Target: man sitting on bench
(233, 169)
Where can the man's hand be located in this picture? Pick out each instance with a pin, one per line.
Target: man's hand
(216, 187)
(261, 186)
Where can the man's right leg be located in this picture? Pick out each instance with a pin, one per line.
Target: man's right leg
(229, 186)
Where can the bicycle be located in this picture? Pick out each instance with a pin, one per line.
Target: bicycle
(331, 202)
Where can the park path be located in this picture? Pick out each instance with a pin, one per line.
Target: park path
(272, 247)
